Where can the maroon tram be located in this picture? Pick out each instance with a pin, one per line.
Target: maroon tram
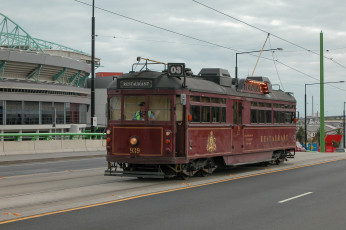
(173, 123)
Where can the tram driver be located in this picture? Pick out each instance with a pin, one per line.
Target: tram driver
(140, 114)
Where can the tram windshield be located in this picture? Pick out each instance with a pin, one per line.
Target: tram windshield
(141, 108)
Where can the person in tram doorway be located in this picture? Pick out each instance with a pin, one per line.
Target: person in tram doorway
(140, 114)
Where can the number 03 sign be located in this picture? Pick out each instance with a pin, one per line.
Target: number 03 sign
(176, 69)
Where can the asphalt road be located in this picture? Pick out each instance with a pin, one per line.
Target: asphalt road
(52, 166)
(311, 197)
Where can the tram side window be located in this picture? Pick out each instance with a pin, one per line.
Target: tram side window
(282, 117)
(276, 117)
(161, 107)
(240, 113)
(261, 116)
(235, 113)
(131, 106)
(254, 116)
(115, 108)
(268, 116)
(215, 114)
(223, 114)
(205, 114)
(195, 112)
(289, 117)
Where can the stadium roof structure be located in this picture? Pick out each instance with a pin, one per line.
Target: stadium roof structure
(23, 57)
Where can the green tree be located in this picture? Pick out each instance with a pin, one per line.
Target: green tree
(335, 144)
(301, 134)
(316, 138)
(338, 132)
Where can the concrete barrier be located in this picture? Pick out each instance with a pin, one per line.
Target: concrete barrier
(1, 148)
(19, 147)
(73, 145)
(51, 146)
(94, 145)
(47, 146)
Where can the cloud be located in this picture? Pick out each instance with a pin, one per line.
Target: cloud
(68, 22)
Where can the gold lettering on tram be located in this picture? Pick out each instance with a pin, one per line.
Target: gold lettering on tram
(274, 138)
(135, 150)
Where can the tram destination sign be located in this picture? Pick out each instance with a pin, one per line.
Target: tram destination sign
(135, 84)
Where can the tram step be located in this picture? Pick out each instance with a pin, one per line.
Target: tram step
(139, 174)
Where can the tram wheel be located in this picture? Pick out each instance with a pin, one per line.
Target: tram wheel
(203, 173)
(183, 176)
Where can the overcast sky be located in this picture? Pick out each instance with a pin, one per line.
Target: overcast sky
(120, 40)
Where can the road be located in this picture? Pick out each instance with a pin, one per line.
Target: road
(302, 194)
(49, 167)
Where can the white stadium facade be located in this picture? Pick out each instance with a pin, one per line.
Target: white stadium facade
(43, 85)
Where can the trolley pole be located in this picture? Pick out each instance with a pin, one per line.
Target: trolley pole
(322, 141)
(92, 114)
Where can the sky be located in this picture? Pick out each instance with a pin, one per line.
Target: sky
(186, 31)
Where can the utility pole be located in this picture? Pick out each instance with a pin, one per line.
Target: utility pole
(92, 114)
(322, 141)
(344, 126)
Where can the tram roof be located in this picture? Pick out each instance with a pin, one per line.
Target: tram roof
(160, 80)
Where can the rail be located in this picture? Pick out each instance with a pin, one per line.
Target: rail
(50, 136)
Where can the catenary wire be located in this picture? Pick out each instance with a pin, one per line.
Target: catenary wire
(257, 28)
(197, 39)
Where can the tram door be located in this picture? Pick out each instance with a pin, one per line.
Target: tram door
(237, 144)
(180, 128)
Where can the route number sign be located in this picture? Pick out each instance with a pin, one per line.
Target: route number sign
(176, 69)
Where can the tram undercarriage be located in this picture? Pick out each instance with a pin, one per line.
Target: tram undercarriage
(195, 167)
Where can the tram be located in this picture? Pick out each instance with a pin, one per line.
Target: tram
(172, 123)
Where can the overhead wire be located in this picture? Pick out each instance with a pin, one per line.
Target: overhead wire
(158, 27)
(193, 38)
(264, 31)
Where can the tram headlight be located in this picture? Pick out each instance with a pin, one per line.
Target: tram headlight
(134, 141)
(108, 131)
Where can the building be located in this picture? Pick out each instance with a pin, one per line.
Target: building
(102, 80)
(43, 85)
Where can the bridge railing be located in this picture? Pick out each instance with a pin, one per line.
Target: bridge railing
(50, 136)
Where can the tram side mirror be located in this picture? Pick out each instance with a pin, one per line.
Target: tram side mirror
(183, 99)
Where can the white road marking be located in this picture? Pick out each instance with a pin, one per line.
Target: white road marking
(295, 197)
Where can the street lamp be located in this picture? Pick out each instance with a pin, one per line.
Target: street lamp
(236, 60)
(305, 134)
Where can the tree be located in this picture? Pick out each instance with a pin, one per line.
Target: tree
(316, 138)
(301, 135)
(338, 132)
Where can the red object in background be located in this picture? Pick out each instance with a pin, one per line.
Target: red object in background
(108, 74)
(329, 142)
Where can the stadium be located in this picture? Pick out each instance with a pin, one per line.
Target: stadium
(43, 85)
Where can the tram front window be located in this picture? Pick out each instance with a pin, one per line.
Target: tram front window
(115, 108)
(133, 108)
(157, 108)
(161, 107)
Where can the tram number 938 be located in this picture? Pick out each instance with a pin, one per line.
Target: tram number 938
(176, 69)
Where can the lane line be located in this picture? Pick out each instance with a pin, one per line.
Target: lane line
(295, 197)
(164, 191)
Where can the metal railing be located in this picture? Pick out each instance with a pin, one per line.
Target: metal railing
(50, 136)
